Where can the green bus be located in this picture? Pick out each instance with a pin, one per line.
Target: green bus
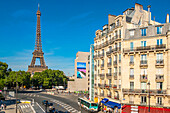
(87, 104)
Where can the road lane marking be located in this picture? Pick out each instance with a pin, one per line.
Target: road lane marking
(40, 107)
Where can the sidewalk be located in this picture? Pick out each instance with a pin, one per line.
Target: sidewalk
(10, 109)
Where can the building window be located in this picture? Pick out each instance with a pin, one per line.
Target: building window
(132, 33)
(131, 85)
(159, 30)
(159, 100)
(143, 85)
(119, 57)
(103, 52)
(144, 72)
(143, 59)
(143, 32)
(143, 99)
(119, 45)
(159, 58)
(109, 70)
(159, 41)
(131, 46)
(119, 70)
(109, 60)
(143, 43)
(110, 48)
(131, 59)
(117, 23)
(159, 85)
(98, 62)
(120, 33)
(131, 73)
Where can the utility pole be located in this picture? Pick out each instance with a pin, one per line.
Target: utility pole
(16, 91)
(149, 96)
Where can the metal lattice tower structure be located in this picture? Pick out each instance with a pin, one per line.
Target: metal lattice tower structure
(38, 53)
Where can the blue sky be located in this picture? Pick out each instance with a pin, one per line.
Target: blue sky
(67, 26)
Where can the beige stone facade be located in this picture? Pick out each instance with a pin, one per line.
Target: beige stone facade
(130, 52)
(80, 84)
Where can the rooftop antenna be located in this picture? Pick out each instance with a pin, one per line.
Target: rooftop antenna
(38, 6)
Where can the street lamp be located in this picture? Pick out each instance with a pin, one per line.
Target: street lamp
(149, 96)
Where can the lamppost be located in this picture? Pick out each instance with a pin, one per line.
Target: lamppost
(149, 96)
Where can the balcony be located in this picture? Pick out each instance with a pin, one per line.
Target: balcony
(108, 53)
(102, 65)
(159, 78)
(109, 64)
(106, 43)
(141, 91)
(117, 49)
(109, 75)
(131, 102)
(102, 76)
(102, 94)
(143, 63)
(115, 75)
(131, 77)
(119, 73)
(106, 85)
(142, 103)
(160, 104)
(101, 85)
(159, 63)
(131, 63)
(115, 63)
(143, 78)
(102, 55)
(147, 48)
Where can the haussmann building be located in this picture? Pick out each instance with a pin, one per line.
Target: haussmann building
(132, 60)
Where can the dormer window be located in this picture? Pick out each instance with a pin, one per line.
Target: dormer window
(117, 23)
(132, 32)
(143, 32)
(159, 30)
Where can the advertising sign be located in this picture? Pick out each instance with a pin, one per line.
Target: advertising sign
(81, 70)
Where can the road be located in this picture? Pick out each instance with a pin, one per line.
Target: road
(62, 102)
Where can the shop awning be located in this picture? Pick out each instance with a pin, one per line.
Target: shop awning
(104, 100)
(111, 104)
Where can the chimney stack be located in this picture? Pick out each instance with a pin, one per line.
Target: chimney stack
(167, 18)
(149, 6)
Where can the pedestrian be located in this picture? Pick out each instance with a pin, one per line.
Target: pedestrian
(5, 106)
(2, 106)
(105, 110)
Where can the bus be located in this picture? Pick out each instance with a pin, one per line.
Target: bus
(87, 104)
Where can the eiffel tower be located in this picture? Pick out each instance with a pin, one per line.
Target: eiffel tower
(38, 53)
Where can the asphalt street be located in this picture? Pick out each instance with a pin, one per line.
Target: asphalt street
(62, 102)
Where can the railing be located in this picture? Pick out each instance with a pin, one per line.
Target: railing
(153, 47)
(101, 85)
(143, 77)
(115, 63)
(38, 66)
(131, 102)
(143, 62)
(159, 104)
(159, 62)
(131, 63)
(95, 93)
(131, 76)
(102, 75)
(116, 97)
(102, 55)
(101, 94)
(159, 77)
(143, 103)
(152, 91)
(102, 65)
(108, 74)
(109, 64)
(109, 52)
